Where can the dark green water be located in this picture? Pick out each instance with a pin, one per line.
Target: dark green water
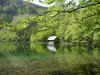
(20, 58)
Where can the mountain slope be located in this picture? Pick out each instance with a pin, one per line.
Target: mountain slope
(10, 8)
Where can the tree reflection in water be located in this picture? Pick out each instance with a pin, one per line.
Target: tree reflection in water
(42, 59)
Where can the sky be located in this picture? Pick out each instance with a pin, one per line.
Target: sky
(41, 4)
(46, 5)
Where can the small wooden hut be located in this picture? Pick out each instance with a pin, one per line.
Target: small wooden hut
(52, 40)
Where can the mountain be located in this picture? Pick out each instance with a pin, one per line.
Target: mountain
(11, 8)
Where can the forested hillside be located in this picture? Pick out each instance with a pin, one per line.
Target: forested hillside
(70, 22)
(10, 9)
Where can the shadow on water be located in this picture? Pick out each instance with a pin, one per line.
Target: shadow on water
(89, 69)
(40, 59)
(86, 69)
(60, 73)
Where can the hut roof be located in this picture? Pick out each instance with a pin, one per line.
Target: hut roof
(52, 38)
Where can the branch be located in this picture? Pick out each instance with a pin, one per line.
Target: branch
(84, 18)
(88, 17)
(69, 11)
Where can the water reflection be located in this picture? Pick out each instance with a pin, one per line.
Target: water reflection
(40, 49)
(51, 48)
(48, 59)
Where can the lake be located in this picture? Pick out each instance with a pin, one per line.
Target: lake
(24, 58)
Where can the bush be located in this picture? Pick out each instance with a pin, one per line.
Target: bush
(6, 35)
(41, 36)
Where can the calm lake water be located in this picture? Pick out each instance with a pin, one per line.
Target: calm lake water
(20, 58)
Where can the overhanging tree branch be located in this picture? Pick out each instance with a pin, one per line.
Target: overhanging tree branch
(70, 11)
(84, 18)
(88, 16)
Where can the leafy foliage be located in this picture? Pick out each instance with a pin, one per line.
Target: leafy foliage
(71, 22)
(6, 35)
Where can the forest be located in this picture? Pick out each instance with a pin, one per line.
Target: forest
(26, 26)
(75, 22)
